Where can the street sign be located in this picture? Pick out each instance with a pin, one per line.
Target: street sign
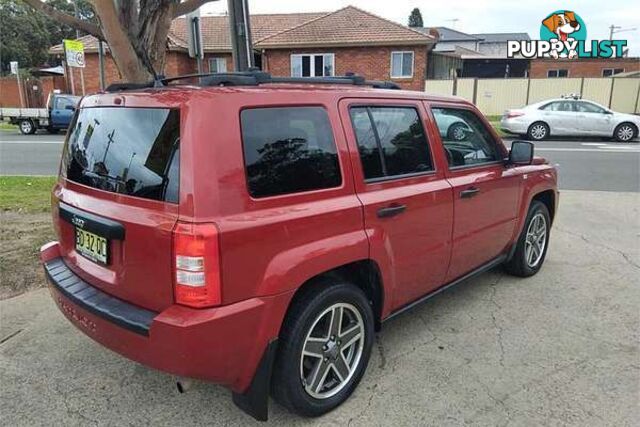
(14, 67)
(74, 52)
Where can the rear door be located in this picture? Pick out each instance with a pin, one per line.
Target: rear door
(561, 117)
(406, 199)
(485, 192)
(117, 201)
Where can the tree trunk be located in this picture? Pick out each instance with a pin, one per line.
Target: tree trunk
(135, 30)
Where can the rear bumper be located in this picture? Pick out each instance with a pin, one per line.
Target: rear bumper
(223, 344)
(513, 126)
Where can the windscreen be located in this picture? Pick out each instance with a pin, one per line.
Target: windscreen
(132, 151)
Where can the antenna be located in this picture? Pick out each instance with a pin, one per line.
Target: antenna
(453, 21)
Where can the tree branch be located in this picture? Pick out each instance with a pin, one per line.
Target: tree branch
(67, 19)
(189, 6)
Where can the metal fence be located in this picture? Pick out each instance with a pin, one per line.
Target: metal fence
(494, 96)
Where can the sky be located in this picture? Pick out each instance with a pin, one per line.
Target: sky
(477, 16)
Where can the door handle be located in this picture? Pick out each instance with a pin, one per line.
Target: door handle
(469, 193)
(390, 211)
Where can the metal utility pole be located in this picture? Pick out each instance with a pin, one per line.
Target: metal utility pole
(77, 15)
(240, 28)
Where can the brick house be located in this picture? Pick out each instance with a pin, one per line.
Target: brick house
(297, 44)
(582, 67)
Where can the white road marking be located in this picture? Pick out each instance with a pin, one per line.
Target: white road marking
(31, 142)
(596, 144)
(620, 147)
(590, 150)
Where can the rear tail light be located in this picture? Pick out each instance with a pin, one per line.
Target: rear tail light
(196, 265)
(512, 114)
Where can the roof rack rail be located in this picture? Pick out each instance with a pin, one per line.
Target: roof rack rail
(253, 77)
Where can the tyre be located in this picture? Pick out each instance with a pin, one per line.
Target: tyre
(324, 347)
(27, 127)
(531, 248)
(625, 132)
(538, 131)
(457, 132)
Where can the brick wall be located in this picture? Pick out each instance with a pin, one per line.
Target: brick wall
(10, 97)
(371, 62)
(581, 67)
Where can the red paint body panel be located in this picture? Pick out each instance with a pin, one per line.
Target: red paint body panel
(269, 247)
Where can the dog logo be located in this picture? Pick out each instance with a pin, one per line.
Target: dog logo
(566, 27)
(563, 35)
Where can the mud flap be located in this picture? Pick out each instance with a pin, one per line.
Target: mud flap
(255, 400)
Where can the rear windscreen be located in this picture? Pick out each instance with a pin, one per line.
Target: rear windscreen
(132, 151)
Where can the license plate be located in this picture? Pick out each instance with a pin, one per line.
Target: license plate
(92, 246)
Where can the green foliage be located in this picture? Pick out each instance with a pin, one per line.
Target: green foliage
(26, 35)
(415, 19)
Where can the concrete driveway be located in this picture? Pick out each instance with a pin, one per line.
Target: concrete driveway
(560, 348)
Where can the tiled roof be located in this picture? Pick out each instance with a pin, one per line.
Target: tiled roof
(345, 27)
(216, 35)
(349, 26)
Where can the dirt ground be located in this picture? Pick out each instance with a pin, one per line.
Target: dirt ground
(21, 235)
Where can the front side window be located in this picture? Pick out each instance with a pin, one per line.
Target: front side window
(62, 103)
(312, 65)
(401, 64)
(130, 151)
(288, 150)
(217, 65)
(391, 141)
(465, 138)
(587, 107)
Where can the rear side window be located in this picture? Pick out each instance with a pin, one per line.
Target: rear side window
(288, 150)
(391, 141)
(132, 151)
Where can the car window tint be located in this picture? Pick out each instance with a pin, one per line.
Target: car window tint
(466, 140)
(587, 107)
(62, 103)
(288, 150)
(391, 141)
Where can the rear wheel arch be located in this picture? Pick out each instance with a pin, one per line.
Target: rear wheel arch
(365, 274)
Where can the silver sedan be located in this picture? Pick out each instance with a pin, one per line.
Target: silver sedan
(570, 117)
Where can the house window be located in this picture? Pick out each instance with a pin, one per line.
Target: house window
(558, 73)
(217, 65)
(608, 72)
(401, 64)
(313, 65)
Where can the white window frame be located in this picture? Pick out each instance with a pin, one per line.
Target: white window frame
(312, 67)
(413, 59)
(217, 60)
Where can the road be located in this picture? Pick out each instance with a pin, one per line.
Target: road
(583, 165)
(558, 348)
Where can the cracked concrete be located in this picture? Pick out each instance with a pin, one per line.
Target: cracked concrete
(560, 348)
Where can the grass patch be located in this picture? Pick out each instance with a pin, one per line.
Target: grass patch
(27, 194)
(25, 225)
(7, 126)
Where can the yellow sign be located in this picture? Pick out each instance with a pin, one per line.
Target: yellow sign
(74, 52)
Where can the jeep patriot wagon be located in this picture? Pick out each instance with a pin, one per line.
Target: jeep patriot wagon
(256, 231)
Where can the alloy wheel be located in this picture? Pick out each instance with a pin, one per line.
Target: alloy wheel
(538, 131)
(536, 240)
(332, 350)
(625, 133)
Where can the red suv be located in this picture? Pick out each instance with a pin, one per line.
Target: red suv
(255, 231)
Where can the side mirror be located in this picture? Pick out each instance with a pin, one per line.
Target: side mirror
(521, 153)
(70, 107)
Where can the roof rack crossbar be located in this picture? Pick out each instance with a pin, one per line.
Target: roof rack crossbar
(254, 78)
